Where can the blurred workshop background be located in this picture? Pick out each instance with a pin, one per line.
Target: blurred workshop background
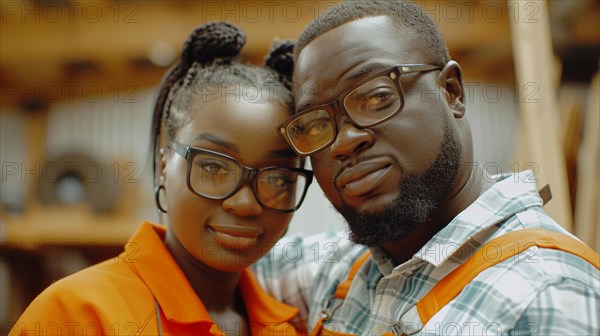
(78, 80)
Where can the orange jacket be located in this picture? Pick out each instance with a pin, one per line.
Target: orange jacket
(127, 294)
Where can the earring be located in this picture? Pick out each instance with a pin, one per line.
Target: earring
(157, 197)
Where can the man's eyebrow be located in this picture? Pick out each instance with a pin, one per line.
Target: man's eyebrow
(367, 69)
(310, 89)
(218, 141)
(302, 107)
(360, 72)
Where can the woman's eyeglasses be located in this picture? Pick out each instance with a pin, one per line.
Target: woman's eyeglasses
(218, 176)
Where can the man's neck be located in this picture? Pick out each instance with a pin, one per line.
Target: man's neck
(471, 186)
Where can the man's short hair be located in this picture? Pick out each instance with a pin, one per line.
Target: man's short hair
(404, 14)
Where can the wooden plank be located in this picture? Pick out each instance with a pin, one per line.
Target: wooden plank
(73, 225)
(587, 218)
(113, 36)
(532, 51)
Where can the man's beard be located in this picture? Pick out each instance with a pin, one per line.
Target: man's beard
(419, 197)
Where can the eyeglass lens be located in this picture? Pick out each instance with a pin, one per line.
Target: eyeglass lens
(373, 101)
(217, 177)
(366, 105)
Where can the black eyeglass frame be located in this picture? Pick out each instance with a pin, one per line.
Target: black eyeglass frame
(248, 173)
(337, 104)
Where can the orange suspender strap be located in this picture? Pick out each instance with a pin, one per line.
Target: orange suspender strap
(503, 247)
(343, 287)
(340, 293)
(318, 328)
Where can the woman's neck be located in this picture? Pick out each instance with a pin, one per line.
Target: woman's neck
(217, 290)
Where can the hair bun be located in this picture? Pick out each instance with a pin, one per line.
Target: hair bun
(212, 41)
(281, 58)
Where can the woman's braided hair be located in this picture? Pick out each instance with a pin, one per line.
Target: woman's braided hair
(208, 59)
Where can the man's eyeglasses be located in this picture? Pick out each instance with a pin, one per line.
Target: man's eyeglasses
(370, 102)
(218, 176)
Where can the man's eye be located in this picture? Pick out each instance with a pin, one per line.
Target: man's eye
(379, 101)
(378, 98)
(316, 127)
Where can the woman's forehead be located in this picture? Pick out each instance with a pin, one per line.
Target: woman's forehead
(249, 126)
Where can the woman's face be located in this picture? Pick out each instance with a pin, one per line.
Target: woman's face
(232, 233)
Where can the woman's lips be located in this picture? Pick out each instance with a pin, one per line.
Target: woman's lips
(234, 238)
(364, 177)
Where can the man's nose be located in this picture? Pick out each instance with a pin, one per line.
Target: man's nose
(350, 140)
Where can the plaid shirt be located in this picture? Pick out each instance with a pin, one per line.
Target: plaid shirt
(538, 292)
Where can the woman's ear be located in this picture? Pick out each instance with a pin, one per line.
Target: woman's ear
(451, 84)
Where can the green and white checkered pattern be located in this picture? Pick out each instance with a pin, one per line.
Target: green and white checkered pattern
(538, 292)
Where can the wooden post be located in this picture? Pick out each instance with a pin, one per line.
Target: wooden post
(587, 215)
(532, 53)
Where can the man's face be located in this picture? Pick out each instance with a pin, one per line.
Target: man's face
(389, 178)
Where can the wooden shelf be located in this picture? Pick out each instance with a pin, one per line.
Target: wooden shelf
(65, 225)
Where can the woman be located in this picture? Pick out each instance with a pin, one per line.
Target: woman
(226, 183)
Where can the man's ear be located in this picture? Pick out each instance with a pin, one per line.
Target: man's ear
(451, 84)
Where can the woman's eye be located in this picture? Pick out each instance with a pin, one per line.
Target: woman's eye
(275, 180)
(278, 180)
(211, 168)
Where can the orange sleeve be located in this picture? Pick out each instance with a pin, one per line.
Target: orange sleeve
(105, 299)
(58, 311)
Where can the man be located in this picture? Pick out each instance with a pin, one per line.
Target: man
(380, 111)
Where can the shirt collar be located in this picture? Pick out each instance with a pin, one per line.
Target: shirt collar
(175, 295)
(261, 307)
(510, 194)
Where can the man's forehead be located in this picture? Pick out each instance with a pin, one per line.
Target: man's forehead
(312, 86)
(349, 51)
(337, 39)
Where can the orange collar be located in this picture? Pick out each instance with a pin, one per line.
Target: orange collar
(148, 256)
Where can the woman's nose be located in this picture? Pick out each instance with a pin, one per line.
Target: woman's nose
(243, 203)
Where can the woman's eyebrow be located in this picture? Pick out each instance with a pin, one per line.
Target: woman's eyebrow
(281, 153)
(218, 141)
(274, 154)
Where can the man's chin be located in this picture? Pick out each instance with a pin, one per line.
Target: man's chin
(375, 223)
(366, 227)
(367, 206)
(365, 240)
(393, 216)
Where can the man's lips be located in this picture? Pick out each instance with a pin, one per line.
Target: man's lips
(234, 237)
(364, 177)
